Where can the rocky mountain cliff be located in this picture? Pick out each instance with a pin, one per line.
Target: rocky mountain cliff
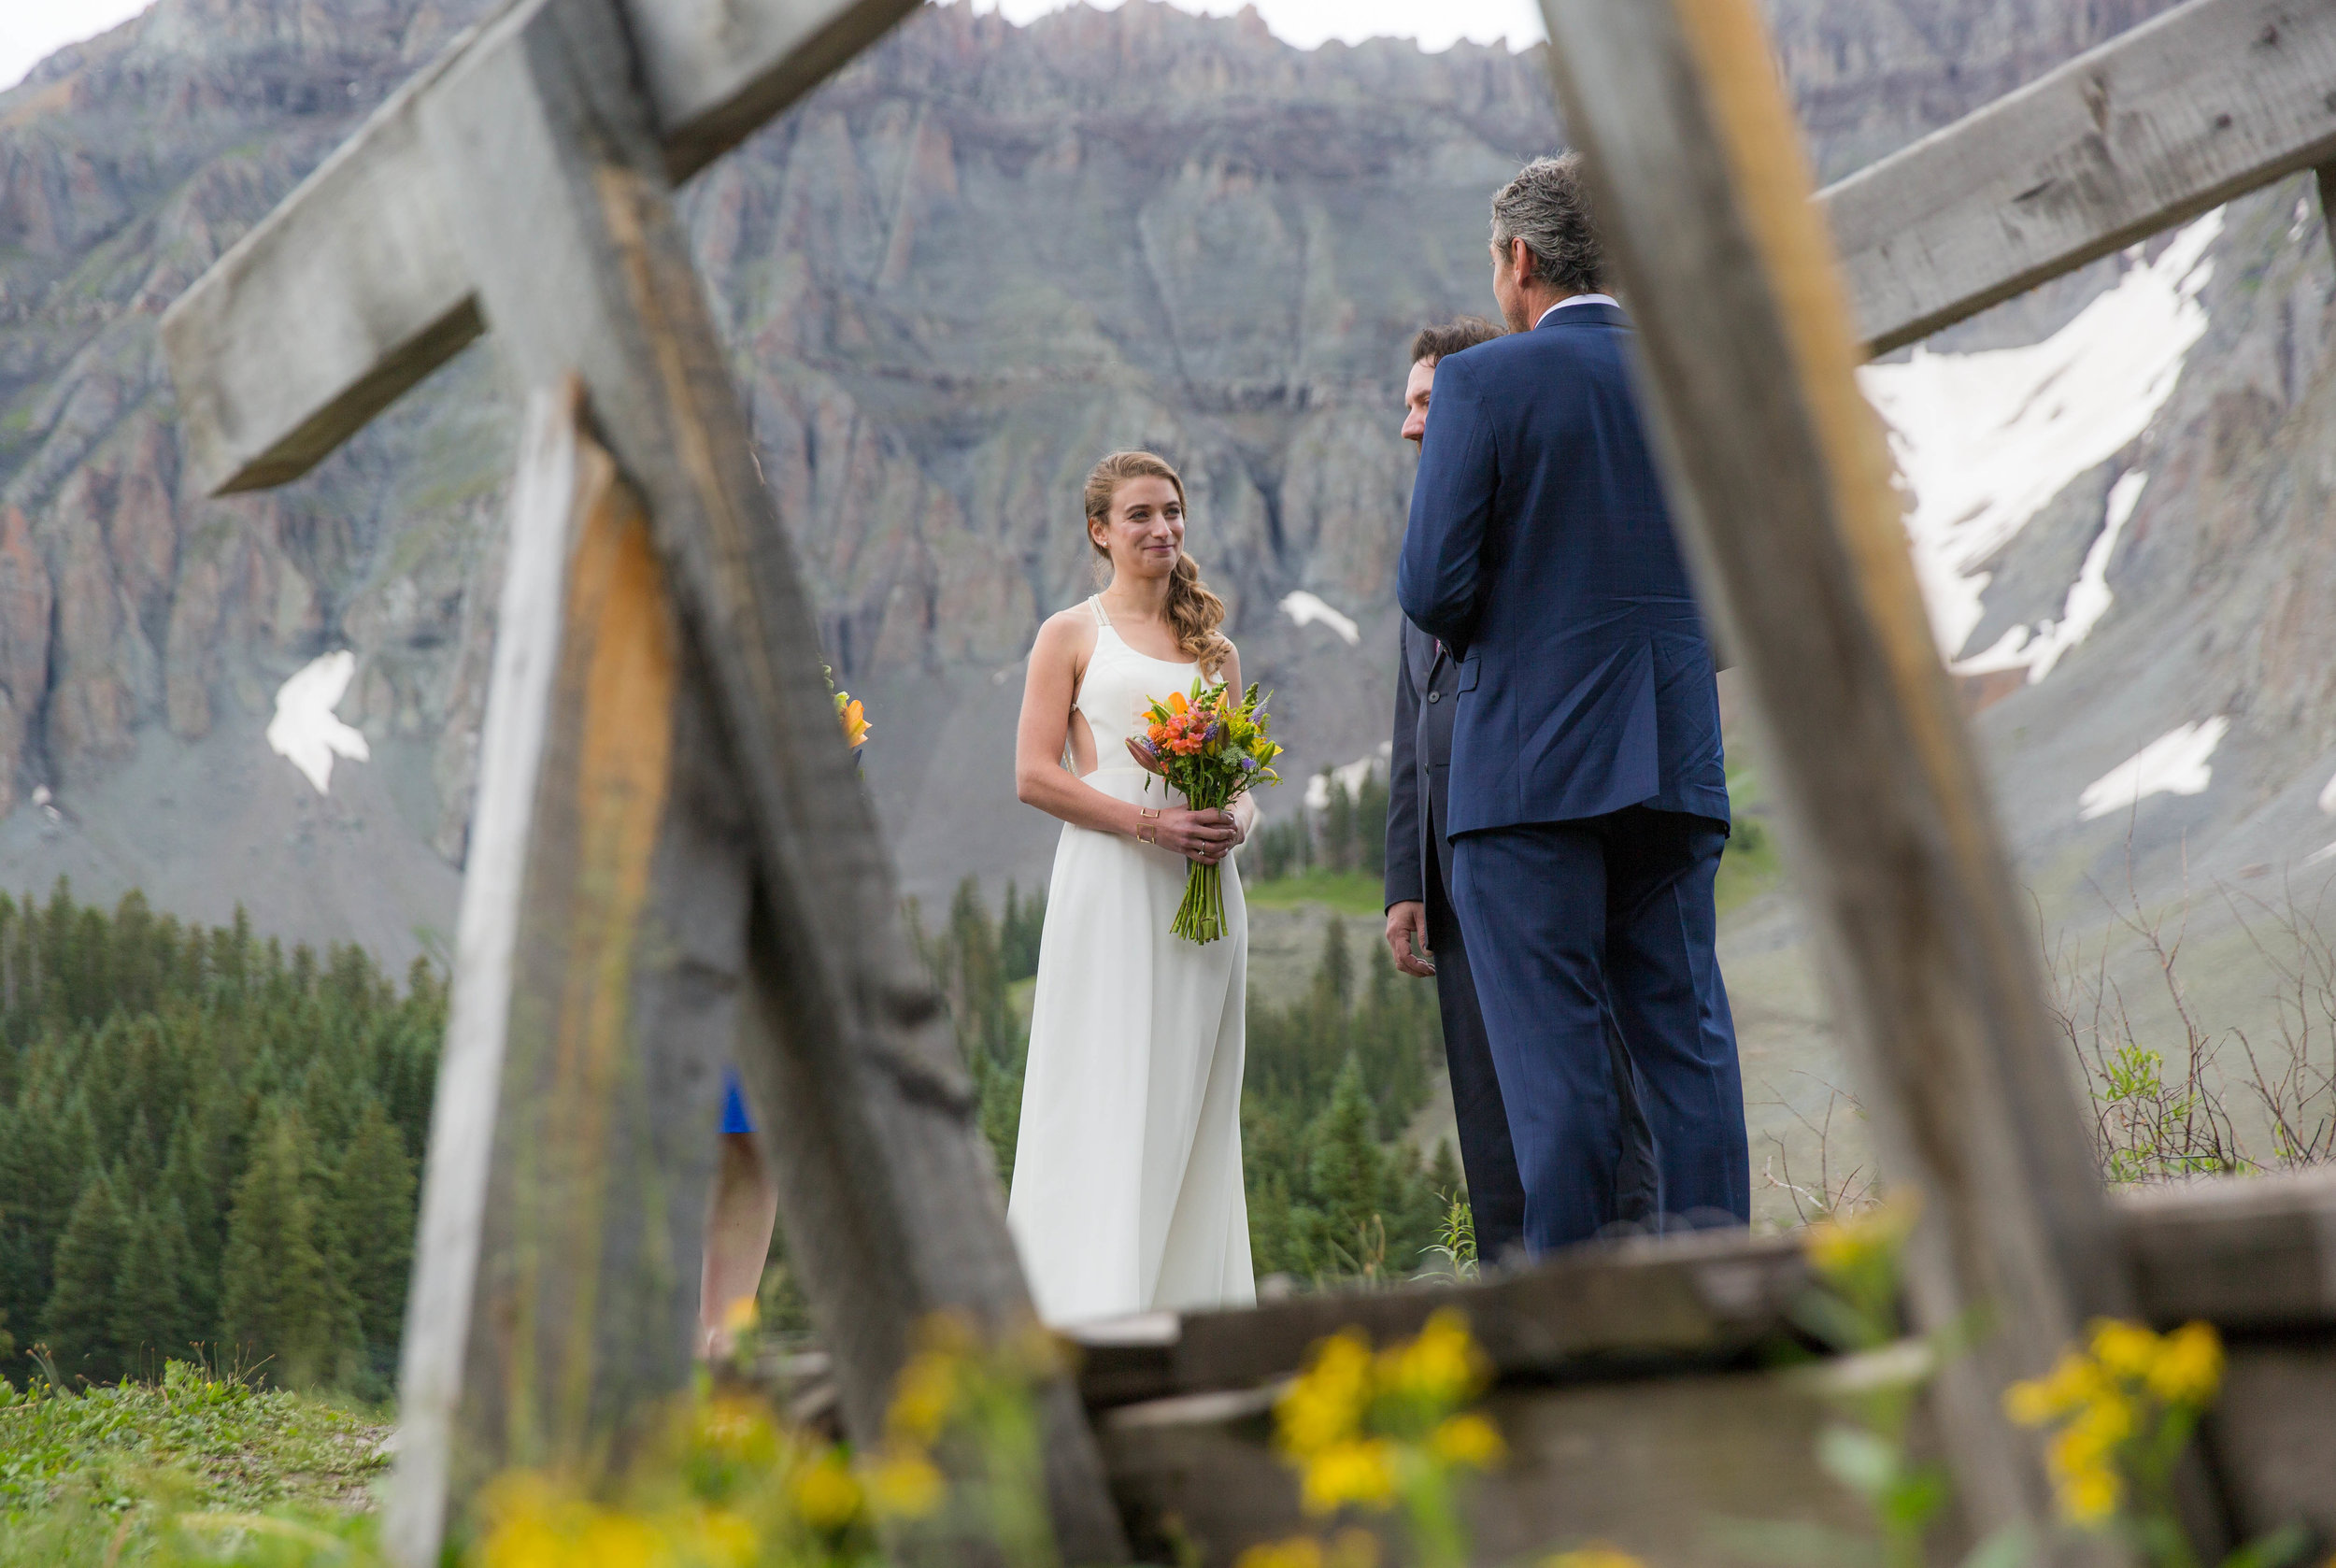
(970, 264)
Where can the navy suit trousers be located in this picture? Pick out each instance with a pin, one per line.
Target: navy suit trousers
(1560, 915)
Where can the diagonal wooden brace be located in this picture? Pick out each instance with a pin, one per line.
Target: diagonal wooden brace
(558, 194)
(596, 996)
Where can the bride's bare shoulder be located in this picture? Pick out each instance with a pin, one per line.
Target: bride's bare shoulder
(1066, 635)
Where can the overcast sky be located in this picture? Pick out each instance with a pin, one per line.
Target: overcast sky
(30, 30)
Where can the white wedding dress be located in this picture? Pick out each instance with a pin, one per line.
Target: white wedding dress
(1127, 1175)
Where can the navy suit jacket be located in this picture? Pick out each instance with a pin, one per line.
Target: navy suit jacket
(1541, 551)
(1425, 683)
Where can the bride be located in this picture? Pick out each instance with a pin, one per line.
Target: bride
(1127, 1178)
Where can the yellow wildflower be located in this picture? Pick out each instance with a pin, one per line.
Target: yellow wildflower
(906, 1486)
(736, 1432)
(1470, 1440)
(854, 719)
(826, 1494)
(926, 1394)
(1361, 1471)
(2124, 1349)
(724, 1538)
(1596, 1555)
(1442, 1366)
(2188, 1368)
(1299, 1551)
(1326, 1406)
(2090, 1495)
(1844, 1246)
(2070, 1384)
(613, 1540)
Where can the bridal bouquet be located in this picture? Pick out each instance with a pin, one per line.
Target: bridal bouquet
(1212, 745)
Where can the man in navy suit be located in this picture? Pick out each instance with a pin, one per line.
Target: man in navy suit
(1589, 797)
(1421, 931)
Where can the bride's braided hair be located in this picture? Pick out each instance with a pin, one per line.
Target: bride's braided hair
(1193, 611)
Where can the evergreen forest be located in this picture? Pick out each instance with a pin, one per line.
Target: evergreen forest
(209, 1146)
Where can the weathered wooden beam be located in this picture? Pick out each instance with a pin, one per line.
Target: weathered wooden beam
(2181, 114)
(1676, 1471)
(1780, 484)
(556, 186)
(353, 289)
(2251, 1257)
(595, 997)
(2324, 180)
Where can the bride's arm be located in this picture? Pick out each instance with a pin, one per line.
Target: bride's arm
(1040, 779)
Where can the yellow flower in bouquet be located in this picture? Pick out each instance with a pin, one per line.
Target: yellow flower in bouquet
(849, 713)
(1215, 747)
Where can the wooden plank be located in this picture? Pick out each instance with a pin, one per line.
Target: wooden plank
(2246, 1255)
(1660, 1468)
(557, 190)
(353, 289)
(1781, 491)
(595, 999)
(325, 313)
(717, 69)
(2181, 114)
(1678, 1302)
(2324, 180)
(2274, 1432)
(2250, 1255)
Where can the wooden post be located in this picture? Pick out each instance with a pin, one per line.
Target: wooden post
(557, 190)
(595, 998)
(1780, 483)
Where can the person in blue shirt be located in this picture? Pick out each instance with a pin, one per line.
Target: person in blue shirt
(1588, 802)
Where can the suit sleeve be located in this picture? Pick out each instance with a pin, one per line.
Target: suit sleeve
(1440, 578)
(1404, 880)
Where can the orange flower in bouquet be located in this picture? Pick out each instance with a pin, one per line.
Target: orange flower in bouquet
(1213, 745)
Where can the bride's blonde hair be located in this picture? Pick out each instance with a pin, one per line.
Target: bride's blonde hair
(1193, 611)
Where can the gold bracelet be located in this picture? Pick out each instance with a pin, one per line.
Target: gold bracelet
(1141, 816)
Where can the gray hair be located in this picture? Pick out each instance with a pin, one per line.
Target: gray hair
(1547, 206)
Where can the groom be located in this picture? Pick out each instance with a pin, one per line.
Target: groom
(1421, 931)
(1588, 800)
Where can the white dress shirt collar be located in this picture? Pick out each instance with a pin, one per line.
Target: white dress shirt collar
(1579, 299)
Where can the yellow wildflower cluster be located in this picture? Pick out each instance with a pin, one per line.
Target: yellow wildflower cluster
(731, 1487)
(1596, 1555)
(535, 1524)
(1850, 1244)
(1356, 1425)
(1352, 1548)
(2132, 1394)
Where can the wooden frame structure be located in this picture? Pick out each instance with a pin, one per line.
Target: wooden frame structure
(670, 861)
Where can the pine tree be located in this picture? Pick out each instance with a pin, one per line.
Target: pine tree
(151, 1318)
(1345, 1171)
(279, 1306)
(78, 1320)
(373, 1219)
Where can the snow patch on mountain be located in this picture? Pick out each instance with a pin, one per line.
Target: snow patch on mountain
(1984, 441)
(1309, 609)
(2039, 648)
(306, 732)
(2175, 763)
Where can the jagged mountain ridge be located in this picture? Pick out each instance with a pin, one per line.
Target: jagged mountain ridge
(978, 258)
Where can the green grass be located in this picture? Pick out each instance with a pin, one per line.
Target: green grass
(1346, 892)
(100, 1475)
(1750, 866)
